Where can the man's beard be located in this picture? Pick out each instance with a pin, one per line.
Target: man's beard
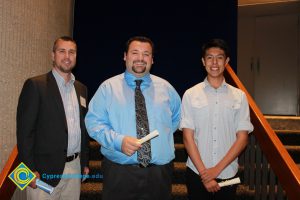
(67, 69)
(140, 68)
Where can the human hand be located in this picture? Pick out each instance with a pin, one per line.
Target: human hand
(212, 186)
(33, 182)
(209, 174)
(130, 145)
(86, 171)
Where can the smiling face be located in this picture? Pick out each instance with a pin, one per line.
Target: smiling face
(215, 61)
(138, 59)
(64, 56)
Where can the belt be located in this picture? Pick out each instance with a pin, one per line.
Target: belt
(142, 166)
(136, 165)
(72, 157)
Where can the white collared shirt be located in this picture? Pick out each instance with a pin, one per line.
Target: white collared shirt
(70, 102)
(215, 115)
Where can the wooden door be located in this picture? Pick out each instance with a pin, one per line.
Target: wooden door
(276, 63)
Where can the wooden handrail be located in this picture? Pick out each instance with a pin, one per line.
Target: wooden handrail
(281, 162)
(7, 187)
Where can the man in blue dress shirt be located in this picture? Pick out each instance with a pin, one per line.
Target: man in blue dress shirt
(111, 121)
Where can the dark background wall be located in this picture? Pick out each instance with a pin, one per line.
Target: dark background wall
(178, 31)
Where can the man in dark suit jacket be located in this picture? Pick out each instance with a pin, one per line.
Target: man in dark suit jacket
(51, 135)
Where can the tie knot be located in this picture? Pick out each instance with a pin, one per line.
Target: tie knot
(138, 82)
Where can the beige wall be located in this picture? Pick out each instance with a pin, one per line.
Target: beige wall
(27, 31)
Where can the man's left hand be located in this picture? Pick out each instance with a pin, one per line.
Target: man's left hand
(209, 174)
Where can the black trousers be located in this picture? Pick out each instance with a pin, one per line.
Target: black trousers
(197, 191)
(131, 182)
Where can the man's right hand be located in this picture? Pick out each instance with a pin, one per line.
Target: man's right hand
(212, 186)
(130, 145)
(32, 183)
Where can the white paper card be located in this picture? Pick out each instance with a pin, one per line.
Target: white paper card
(230, 182)
(149, 136)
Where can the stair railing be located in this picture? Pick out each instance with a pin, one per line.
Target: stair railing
(267, 164)
(7, 187)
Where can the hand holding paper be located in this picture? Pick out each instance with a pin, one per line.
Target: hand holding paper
(44, 186)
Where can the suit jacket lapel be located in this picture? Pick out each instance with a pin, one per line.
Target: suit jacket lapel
(54, 90)
(78, 94)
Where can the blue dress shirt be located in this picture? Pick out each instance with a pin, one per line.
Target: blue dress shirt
(111, 116)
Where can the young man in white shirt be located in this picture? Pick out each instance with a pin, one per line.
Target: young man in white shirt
(215, 123)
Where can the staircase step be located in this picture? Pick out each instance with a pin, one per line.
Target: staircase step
(178, 137)
(95, 189)
(284, 122)
(289, 137)
(180, 153)
(179, 191)
(294, 152)
(91, 191)
(91, 187)
(95, 150)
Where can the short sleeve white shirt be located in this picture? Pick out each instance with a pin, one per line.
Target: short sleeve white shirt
(215, 115)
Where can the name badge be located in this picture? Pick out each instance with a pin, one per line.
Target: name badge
(82, 101)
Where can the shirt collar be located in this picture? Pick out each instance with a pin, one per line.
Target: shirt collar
(223, 86)
(60, 80)
(130, 80)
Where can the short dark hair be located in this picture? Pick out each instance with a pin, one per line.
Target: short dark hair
(140, 39)
(64, 38)
(218, 43)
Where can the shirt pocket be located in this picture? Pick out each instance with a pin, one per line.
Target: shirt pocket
(232, 104)
(200, 110)
(232, 108)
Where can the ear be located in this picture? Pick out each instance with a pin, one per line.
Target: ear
(152, 61)
(227, 60)
(203, 62)
(124, 58)
(52, 56)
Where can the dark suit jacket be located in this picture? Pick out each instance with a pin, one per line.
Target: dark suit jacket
(42, 132)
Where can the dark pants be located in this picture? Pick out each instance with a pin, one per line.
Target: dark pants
(131, 182)
(197, 191)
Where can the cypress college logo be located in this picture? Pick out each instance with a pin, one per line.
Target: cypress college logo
(22, 176)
